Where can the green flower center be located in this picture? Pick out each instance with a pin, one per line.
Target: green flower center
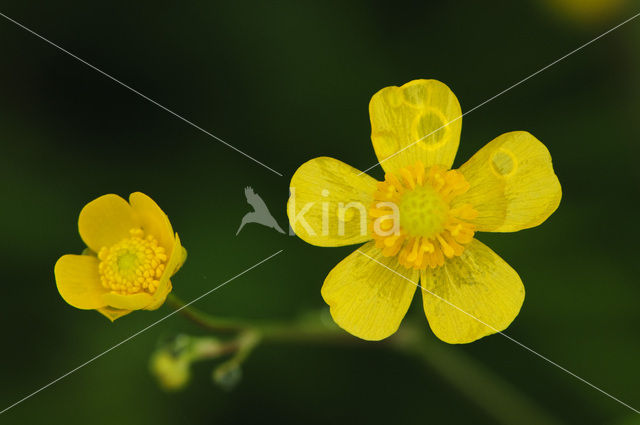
(127, 262)
(423, 212)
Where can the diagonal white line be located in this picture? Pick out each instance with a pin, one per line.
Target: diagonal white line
(139, 94)
(138, 333)
(504, 335)
(507, 89)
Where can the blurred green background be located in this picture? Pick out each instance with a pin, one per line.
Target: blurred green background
(286, 82)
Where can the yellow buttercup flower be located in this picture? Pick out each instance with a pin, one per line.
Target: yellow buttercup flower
(419, 223)
(131, 254)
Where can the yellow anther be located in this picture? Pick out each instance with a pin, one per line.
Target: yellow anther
(427, 246)
(413, 254)
(429, 229)
(134, 264)
(391, 240)
(446, 248)
(408, 177)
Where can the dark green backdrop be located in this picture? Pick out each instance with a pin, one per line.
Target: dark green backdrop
(288, 81)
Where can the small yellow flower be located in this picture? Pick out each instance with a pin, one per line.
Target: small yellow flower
(131, 254)
(419, 223)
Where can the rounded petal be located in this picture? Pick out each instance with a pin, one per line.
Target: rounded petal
(128, 302)
(513, 186)
(420, 121)
(78, 281)
(152, 219)
(369, 297)
(329, 203)
(471, 296)
(105, 221)
(113, 313)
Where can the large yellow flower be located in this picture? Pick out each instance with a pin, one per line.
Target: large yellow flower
(131, 254)
(419, 223)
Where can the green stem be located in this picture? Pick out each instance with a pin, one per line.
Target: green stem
(504, 402)
(308, 330)
(205, 320)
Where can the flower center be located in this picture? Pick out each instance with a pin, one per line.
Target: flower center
(423, 212)
(412, 217)
(133, 265)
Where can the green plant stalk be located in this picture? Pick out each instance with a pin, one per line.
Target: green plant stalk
(499, 399)
(205, 320)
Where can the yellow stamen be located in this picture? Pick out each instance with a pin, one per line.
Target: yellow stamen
(133, 265)
(429, 229)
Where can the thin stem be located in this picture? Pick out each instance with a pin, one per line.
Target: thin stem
(297, 331)
(504, 402)
(205, 320)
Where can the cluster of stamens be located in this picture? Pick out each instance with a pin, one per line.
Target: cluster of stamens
(133, 265)
(412, 218)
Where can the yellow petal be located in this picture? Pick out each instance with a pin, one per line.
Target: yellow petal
(486, 292)
(160, 296)
(113, 313)
(177, 258)
(78, 281)
(152, 219)
(367, 299)
(128, 302)
(420, 121)
(182, 259)
(326, 187)
(105, 221)
(513, 186)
